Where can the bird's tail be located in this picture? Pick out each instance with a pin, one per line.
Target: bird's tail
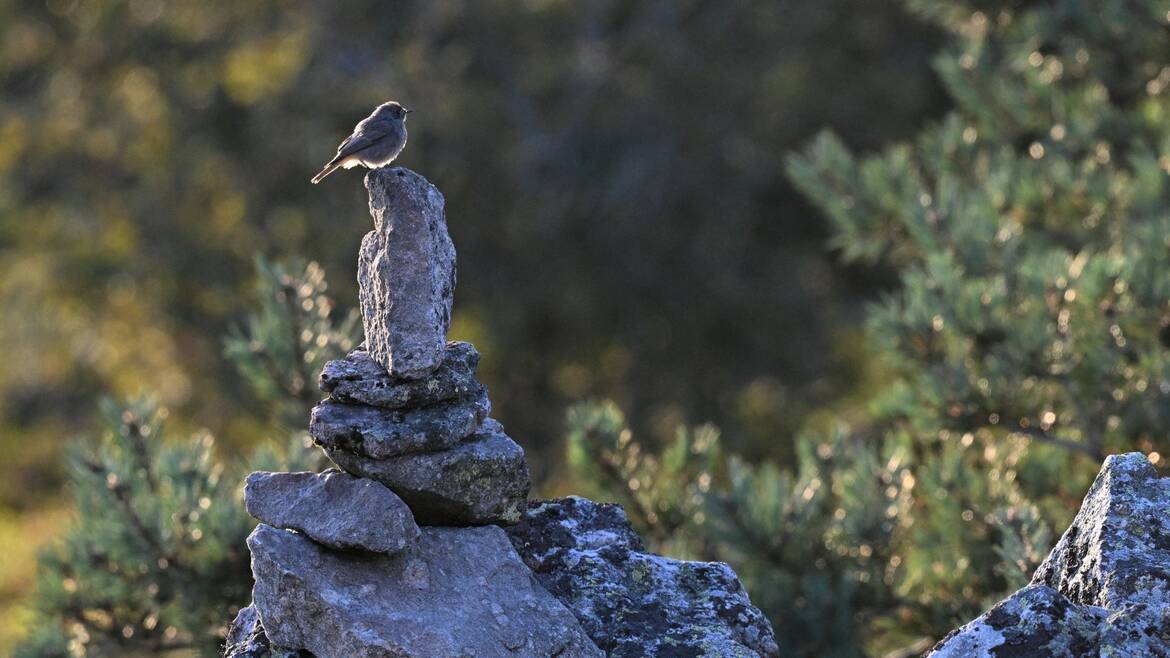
(329, 169)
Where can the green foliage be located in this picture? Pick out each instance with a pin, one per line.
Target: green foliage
(1030, 330)
(1028, 338)
(155, 559)
(813, 547)
(663, 492)
(1034, 286)
(288, 339)
(155, 554)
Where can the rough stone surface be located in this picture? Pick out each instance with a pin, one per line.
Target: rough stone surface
(380, 433)
(463, 593)
(1103, 591)
(482, 480)
(246, 639)
(406, 273)
(333, 508)
(631, 603)
(359, 379)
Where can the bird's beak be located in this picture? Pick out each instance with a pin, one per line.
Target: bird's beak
(408, 111)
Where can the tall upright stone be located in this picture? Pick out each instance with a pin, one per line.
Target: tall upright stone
(406, 274)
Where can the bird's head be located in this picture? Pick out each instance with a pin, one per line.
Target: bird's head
(392, 110)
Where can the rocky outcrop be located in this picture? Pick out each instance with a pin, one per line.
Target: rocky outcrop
(406, 274)
(340, 566)
(334, 509)
(632, 603)
(1103, 591)
(462, 593)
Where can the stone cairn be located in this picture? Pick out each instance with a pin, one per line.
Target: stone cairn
(341, 565)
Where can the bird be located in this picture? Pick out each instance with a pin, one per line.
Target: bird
(375, 142)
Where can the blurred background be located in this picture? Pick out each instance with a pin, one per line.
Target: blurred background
(616, 189)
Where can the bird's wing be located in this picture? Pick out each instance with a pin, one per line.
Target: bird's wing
(362, 138)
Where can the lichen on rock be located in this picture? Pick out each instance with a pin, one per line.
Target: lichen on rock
(633, 603)
(1102, 591)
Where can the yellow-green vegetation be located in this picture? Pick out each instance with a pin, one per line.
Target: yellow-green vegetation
(22, 537)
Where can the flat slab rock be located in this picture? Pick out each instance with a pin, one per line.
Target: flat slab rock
(406, 273)
(359, 379)
(380, 433)
(463, 593)
(631, 603)
(483, 479)
(1103, 590)
(333, 508)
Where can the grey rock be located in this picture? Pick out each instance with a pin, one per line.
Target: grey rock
(1035, 621)
(379, 433)
(1117, 550)
(406, 273)
(463, 593)
(484, 479)
(359, 379)
(246, 639)
(632, 603)
(334, 509)
(1103, 590)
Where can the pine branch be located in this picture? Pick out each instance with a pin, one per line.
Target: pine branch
(1093, 452)
(122, 495)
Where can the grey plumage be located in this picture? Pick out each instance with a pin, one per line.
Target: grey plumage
(375, 142)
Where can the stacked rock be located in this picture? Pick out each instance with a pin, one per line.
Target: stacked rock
(341, 565)
(405, 409)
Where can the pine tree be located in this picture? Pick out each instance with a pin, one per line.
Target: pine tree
(813, 546)
(155, 559)
(1028, 338)
(287, 340)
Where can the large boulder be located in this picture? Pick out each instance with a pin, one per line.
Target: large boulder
(406, 273)
(379, 433)
(359, 379)
(333, 508)
(1103, 591)
(463, 593)
(484, 479)
(632, 603)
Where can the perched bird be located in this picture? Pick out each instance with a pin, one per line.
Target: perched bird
(375, 142)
